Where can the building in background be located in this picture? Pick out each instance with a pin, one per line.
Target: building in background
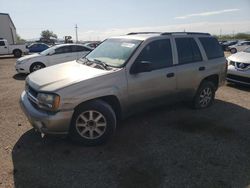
(7, 29)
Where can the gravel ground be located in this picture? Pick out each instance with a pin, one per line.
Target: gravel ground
(173, 146)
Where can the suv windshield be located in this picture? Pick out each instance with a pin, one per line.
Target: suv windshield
(114, 52)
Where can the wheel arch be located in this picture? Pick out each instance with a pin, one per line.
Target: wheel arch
(35, 63)
(212, 78)
(16, 49)
(111, 100)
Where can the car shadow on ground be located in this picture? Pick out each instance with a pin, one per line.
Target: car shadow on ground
(7, 57)
(239, 86)
(20, 76)
(172, 146)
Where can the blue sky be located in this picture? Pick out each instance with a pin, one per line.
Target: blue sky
(100, 19)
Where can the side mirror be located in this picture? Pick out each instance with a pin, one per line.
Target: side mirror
(142, 66)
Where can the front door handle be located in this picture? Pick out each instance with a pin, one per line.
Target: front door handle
(169, 75)
(202, 68)
(5, 46)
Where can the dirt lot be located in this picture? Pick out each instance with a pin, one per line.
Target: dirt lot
(173, 146)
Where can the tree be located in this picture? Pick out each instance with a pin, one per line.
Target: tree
(47, 34)
(19, 40)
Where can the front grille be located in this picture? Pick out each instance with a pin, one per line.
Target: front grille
(238, 78)
(241, 65)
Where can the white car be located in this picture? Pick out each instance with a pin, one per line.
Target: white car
(239, 67)
(52, 56)
(239, 47)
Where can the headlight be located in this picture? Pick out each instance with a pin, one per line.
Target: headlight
(21, 62)
(231, 63)
(48, 101)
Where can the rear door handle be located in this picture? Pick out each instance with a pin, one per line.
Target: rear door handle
(169, 75)
(202, 68)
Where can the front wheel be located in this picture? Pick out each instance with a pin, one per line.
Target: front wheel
(233, 50)
(92, 123)
(204, 96)
(36, 66)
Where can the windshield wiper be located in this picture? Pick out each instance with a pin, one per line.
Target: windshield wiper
(105, 65)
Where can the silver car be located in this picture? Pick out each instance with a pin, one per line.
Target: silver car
(87, 97)
(239, 68)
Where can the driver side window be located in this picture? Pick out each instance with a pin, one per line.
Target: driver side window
(158, 53)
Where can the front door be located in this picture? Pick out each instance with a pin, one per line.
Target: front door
(3, 48)
(61, 55)
(152, 77)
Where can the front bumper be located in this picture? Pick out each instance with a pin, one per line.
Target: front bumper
(238, 76)
(20, 69)
(44, 122)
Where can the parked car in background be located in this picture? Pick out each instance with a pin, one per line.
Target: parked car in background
(52, 56)
(239, 67)
(239, 47)
(226, 44)
(92, 45)
(37, 47)
(87, 97)
(16, 49)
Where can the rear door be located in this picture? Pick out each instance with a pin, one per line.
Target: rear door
(145, 87)
(81, 51)
(190, 67)
(3, 48)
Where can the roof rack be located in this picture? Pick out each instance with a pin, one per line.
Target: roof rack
(185, 33)
(137, 33)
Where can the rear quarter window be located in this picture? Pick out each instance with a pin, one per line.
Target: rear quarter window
(212, 47)
(188, 50)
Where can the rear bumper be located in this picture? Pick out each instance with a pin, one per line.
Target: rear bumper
(45, 122)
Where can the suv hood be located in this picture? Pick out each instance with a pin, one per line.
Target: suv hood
(241, 57)
(62, 75)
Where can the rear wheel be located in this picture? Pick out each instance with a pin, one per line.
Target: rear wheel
(233, 50)
(17, 53)
(204, 96)
(36, 66)
(92, 123)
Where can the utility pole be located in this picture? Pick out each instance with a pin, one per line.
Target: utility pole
(76, 33)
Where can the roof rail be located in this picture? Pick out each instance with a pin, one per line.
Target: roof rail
(185, 33)
(137, 33)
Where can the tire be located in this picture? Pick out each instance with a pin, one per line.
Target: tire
(17, 53)
(204, 96)
(36, 66)
(95, 129)
(233, 50)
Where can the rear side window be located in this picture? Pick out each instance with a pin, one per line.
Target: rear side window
(211, 47)
(159, 53)
(188, 50)
(77, 48)
(64, 49)
(2, 43)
